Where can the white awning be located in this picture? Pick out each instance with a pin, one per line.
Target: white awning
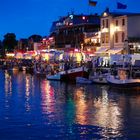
(101, 50)
(114, 50)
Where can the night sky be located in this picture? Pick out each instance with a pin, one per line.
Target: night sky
(27, 17)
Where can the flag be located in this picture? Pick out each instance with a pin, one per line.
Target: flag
(121, 6)
(92, 3)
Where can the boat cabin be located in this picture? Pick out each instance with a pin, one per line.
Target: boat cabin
(123, 73)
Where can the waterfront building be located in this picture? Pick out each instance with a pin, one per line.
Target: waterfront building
(70, 31)
(120, 33)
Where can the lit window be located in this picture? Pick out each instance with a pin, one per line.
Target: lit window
(107, 38)
(103, 38)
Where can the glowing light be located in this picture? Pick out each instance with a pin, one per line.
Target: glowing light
(76, 50)
(105, 14)
(61, 57)
(112, 29)
(78, 57)
(83, 17)
(104, 30)
(10, 54)
(117, 28)
(71, 24)
(71, 16)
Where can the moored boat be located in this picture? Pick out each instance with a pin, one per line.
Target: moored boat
(123, 79)
(82, 80)
(58, 76)
(99, 78)
(70, 75)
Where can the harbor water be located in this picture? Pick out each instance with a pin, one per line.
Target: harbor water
(33, 108)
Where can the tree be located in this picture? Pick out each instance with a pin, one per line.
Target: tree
(9, 42)
(35, 38)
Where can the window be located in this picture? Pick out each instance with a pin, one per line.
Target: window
(107, 38)
(123, 36)
(103, 23)
(116, 22)
(106, 23)
(103, 38)
(116, 38)
(123, 22)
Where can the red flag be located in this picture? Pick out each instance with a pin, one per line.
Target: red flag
(92, 3)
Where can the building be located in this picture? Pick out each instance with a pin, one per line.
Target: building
(22, 45)
(120, 32)
(69, 31)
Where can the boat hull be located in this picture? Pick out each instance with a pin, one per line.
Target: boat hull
(69, 75)
(128, 83)
(54, 77)
(82, 80)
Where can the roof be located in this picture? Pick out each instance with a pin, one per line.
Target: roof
(118, 13)
(133, 39)
(115, 14)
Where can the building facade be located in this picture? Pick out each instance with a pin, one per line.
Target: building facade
(69, 31)
(120, 32)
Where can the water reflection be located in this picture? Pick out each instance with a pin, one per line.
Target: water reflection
(56, 109)
(8, 83)
(88, 108)
(81, 106)
(108, 113)
(48, 100)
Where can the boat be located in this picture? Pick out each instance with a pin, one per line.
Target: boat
(99, 77)
(123, 79)
(39, 70)
(70, 74)
(58, 76)
(82, 80)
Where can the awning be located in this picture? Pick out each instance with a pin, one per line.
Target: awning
(101, 50)
(114, 50)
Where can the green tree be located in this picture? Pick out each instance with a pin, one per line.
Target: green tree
(9, 42)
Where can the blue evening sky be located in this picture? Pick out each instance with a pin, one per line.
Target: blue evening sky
(27, 17)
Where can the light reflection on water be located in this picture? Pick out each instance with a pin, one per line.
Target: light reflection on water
(32, 108)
